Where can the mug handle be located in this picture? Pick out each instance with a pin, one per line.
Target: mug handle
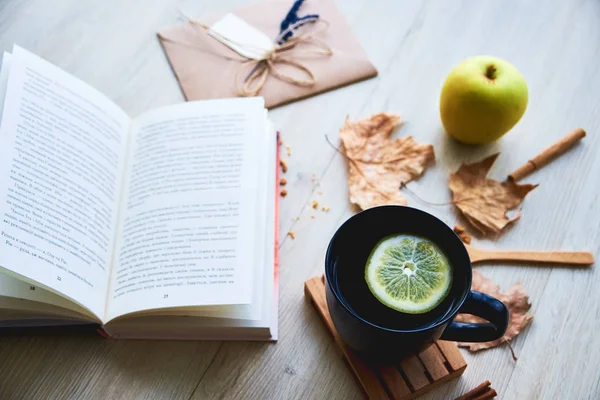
(486, 307)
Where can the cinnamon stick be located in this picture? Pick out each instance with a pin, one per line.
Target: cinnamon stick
(548, 155)
(487, 395)
(479, 390)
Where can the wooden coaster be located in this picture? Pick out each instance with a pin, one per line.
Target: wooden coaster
(410, 378)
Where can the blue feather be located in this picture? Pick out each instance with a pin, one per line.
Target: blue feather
(291, 18)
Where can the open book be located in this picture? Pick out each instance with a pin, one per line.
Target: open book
(161, 226)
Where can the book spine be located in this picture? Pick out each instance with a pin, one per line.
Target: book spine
(45, 330)
(103, 333)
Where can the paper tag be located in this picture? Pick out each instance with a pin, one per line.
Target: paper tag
(241, 37)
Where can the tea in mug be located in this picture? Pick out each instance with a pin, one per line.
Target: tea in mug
(400, 282)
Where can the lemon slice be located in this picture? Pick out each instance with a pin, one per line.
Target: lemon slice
(408, 273)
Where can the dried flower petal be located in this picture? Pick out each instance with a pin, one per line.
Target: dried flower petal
(284, 166)
(465, 237)
(458, 229)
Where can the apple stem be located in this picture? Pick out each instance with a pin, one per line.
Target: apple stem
(490, 72)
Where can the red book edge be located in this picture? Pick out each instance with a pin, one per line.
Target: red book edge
(276, 258)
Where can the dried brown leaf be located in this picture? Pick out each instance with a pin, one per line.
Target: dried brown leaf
(484, 202)
(379, 166)
(515, 298)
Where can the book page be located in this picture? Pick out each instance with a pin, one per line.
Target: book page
(186, 234)
(264, 216)
(4, 71)
(19, 290)
(262, 278)
(63, 146)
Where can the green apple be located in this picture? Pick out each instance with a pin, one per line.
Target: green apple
(483, 97)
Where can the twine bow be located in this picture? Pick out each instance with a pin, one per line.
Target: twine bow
(284, 53)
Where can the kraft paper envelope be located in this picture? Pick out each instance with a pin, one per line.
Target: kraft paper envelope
(207, 69)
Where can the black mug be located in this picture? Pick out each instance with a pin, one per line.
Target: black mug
(381, 333)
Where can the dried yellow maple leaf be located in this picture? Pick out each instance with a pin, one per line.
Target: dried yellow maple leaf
(484, 202)
(515, 298)
(379, 166)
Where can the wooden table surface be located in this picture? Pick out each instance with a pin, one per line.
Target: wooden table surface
(111, 44)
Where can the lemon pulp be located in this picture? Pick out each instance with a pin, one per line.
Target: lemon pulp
(408, 273)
